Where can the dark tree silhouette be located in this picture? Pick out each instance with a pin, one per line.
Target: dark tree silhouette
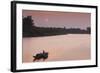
(30, 30)
(88, 29)
(28, 25)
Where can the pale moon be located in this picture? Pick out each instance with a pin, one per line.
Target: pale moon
(46, 20)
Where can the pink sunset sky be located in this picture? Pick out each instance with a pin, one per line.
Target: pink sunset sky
(59, 19)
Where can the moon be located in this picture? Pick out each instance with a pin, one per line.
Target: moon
(46, 20)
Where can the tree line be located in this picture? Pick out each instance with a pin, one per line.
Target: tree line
(30, 30)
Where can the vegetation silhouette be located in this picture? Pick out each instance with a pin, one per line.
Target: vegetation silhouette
(43, 55)
(30, 30)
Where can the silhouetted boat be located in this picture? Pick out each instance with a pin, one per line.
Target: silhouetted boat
(43, 55)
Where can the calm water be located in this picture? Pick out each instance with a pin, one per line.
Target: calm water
(60, 47)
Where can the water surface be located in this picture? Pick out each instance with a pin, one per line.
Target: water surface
(60, 47)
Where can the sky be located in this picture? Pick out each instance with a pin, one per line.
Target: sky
(59, 19)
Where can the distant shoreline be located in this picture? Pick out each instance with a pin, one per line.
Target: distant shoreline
(30, 30)
(40, 31)
(54, 35)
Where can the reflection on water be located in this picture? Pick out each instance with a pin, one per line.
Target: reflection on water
(60, 47)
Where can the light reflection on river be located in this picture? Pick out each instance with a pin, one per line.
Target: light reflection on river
(60, 47)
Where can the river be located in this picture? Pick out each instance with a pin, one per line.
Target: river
(60, 47)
